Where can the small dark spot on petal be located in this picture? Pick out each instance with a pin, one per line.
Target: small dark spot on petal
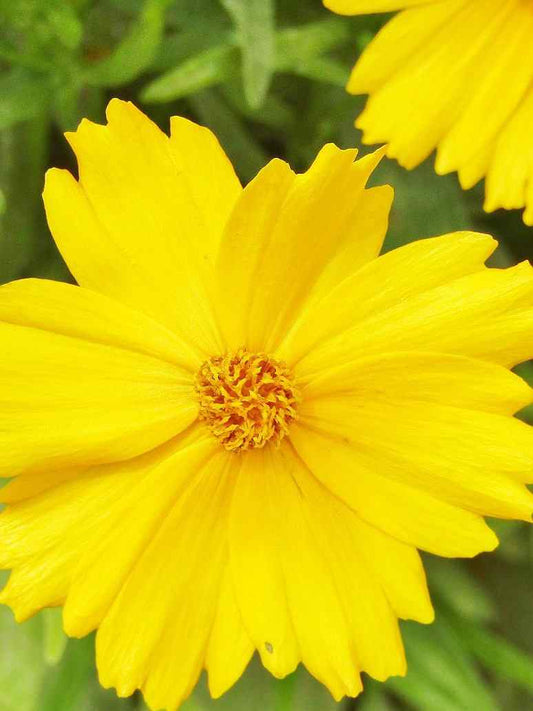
(269, 648)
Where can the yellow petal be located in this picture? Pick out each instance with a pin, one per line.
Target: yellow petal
(155, 485)
(214, 188)
(26, 486)
(400, 571)
(155, 635)
(406, 513)
(257, 568)
(396, 42)
(509, 176)
(476, 168)
(425, 377)
(498, 93)
(274, 253)
(472, 459)
(485, 315)
(69, 402)
(343, 542)
(30, 485)
(284, 587)
(389, 280)
(248, 230)
(79, 313)
(132, 227)
(422, 100)
(42, 539)
(362, 241)
(360, 7)
(230, 648)
(46, 537)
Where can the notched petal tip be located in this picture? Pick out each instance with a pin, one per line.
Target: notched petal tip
(352, 691)
(216, 688)
(371, 161)
(117, 106)
(470, 238)
(21, 612)
(491, 543)
(55, 176)
(331, 152)
(114, 107)
(522, 268)
(428, 616)
(76, 626)
(124, 116)
(59, 187)
(272, 173)
(85, 128)
(181, 124)
(218, 684)
(118, 114)
(115, 110)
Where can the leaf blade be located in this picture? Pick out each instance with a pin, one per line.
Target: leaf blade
(255, 24)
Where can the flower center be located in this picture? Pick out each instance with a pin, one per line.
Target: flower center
(246, 399)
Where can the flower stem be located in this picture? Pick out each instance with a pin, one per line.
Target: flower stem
(284, 697)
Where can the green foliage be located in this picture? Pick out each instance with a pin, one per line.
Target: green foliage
(39, 671)
(442, 674)
(254, 25)
(54, 639)
(135, 52)
(268, 78)
(24, 96)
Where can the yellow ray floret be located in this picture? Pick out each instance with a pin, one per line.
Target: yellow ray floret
(235, 433)
(456, 76)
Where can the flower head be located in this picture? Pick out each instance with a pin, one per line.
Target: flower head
(455, 75)
(236, 432)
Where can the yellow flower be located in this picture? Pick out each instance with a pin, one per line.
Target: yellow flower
(239, 428)
(457, 75)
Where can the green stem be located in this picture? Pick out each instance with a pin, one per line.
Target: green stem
(285, 693)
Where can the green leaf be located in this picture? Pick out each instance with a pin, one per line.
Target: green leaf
(198, 25)
(275, 112)
(239, 142)
(182, 46)
(257, 689)
(23, 233)
(298, 52)
(441, 674)
(24, 95)
(375, 698)
(22, 667)
(73, 683)
(451, 582)
(323, 69)
(298, 45)
(55, 639)
(64, 22)
(499, 655)
(136, 51)
(254, 20)
(206, 69)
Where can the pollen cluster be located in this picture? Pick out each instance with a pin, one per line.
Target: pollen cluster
(246, 399)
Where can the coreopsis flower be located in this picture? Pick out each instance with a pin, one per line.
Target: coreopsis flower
(456, 75)
(236, 432)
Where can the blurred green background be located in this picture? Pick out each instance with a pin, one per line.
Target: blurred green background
(268, 78)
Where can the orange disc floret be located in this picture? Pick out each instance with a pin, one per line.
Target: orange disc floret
(246, 399)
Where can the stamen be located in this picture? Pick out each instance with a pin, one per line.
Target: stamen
(246, 399)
